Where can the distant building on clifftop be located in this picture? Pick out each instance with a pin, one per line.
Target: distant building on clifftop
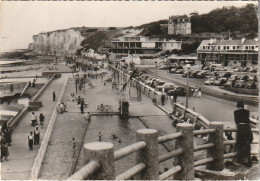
(179, 25)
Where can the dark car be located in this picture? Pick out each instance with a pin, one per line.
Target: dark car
(225, 74)
(244, 77)
(220, 81)
(180, 91)
(201, 74)
(250, 85)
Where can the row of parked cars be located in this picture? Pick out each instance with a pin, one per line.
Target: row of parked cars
(231, 80)
(162, 86)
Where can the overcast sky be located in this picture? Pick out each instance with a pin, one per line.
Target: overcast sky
(20, 20)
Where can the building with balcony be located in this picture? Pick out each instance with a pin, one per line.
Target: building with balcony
(179, 25)
(243, 52)
(143, 45)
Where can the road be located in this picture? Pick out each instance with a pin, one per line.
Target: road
(213, 108)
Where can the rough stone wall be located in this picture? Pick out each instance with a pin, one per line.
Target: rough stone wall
(64, 42)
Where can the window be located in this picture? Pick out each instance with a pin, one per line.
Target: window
(209, 47)
(234, 47)
(227, 47)
(252, 47)
(237, 47)
(235, 62)
(246, 47)
(218, 47)
(203, 47)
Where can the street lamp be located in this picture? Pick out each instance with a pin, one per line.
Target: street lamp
(187, 94)
(156, 68)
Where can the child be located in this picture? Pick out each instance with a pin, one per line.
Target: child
(73, 143)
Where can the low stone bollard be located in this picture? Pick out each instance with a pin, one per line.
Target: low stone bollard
(149, 155)
(186, 159)
(103, 152)
(217, 151)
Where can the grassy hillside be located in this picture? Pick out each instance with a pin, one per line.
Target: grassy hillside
(236, 20)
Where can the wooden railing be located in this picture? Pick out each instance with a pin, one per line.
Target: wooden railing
(100, 157)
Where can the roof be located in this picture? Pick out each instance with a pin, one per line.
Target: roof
(212, 42)
(178, 17)
(182, 57)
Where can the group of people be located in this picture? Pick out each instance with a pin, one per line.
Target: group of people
(5, 139)
(34, 119)
(32, 84)
(178, 118)
(34, 138)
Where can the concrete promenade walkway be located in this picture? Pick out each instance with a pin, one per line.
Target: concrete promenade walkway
(21, 159)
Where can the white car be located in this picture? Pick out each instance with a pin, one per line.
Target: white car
(165, 87)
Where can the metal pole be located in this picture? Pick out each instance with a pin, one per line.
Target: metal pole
(156, 69)
(187, 94)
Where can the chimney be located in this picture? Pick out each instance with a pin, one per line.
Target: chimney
(243, 40)
(211, 41)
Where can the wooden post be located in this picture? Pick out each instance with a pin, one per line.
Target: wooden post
(217, 151)
(103, 152)
(186, 159)
(174, 108)
(149, 155)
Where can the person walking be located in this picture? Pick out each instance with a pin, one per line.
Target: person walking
(99, 137)
(36, 136)
(199, 93)
(53, 96)
(175, 95)
(30, 140)
(8, 136)
(162, 99)
(73, 143)
(33, 119)
(244, 134)
(41, 118)
(4, 152)
(82, 106)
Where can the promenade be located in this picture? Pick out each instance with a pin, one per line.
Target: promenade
(21, 159)
(72, 124)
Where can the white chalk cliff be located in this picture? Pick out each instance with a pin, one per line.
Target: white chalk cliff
(62, 42)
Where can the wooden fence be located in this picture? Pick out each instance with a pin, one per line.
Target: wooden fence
(100, 157)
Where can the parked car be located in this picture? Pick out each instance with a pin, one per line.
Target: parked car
(233, 77)
(244, 77)
(185, 73)
(201, 74)
(149, 81)
(210, 81)
(180, 91)
(223, 69)
(250, 85)
(240, 84)
(220, 81)
(179, 71)
(194, 74)
(252, 78)
(253, 69)
(159, 85)
(172, 70)
(165, 87)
